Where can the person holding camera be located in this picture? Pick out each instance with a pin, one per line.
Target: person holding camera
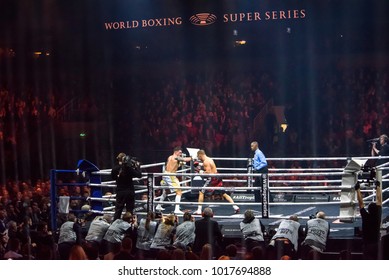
(371, 222)
(69, 235)
(252, 230)
(383, 151)
(317, 231)
(285, 241)
(184, 234)
(126, 169)
(163, 237)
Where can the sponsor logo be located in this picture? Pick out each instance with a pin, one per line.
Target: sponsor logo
(231, 229)
(265, 196)
(243, 197)
(203, 19)
(312, 197)
(279, 198)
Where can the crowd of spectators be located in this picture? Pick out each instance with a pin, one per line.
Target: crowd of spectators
(215, 112)
(24, 110)
(24, 209)
(336, 116)
(331, 116)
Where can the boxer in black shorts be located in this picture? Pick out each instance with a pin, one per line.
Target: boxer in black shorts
(210, 168)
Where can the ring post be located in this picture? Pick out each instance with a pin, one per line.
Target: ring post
(94, 178)
(53, 199)
(150, 192)
(265, 195)
(347, 195)
(249, 171)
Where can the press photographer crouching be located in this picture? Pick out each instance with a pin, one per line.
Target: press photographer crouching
(124, 172)
(317, 231)
(371, 218)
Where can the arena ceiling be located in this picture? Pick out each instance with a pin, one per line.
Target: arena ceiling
(150, 29)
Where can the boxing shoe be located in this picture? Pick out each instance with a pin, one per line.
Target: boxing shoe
(178, 212)
(236, 211)
(197, 212)
(159, 208)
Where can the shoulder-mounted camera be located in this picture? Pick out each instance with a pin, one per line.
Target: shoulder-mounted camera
(131, 161)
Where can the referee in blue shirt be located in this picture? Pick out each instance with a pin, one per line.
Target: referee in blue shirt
(259, 166)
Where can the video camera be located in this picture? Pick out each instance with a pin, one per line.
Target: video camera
(313, 216)
(368, 174)
(131, 162)
(367, 177)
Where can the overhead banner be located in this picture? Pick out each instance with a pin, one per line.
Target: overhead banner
(205, 19)
(172, 14)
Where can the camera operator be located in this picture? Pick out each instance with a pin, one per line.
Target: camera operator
(126, 169)
(383, 151)
(371, 222)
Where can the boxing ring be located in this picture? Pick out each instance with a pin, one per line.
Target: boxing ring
(300, 186)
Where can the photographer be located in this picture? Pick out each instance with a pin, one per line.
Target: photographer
(286, 239)
(371, 222)
(317, 231)
(126, 169)
(383, 151)
(69, 235)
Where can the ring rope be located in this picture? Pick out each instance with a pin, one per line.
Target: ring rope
(305, 181)
(232, 168)
(304, 169)
(302, 191)
(303, 187)
(207, 174)
(183, 170)
(306, 174)
(273, 173)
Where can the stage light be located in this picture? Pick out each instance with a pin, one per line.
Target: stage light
(240, 42)
(284, 126)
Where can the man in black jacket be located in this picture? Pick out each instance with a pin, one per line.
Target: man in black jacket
(382, 151)
(371, 222)
(207, 230)
(123, 173)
